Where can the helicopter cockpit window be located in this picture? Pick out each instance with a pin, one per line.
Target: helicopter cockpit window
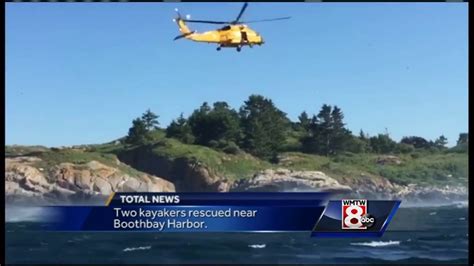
(225, 28)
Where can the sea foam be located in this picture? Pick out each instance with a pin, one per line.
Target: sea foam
(136, 248)
(257, 246)
(377, 243)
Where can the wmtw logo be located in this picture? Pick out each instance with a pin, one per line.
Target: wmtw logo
(354, 214)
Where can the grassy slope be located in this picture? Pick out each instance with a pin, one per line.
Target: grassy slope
(231, 166)
(425, 168)
(421, 168)
(52, 157)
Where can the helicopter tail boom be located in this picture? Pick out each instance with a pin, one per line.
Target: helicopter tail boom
(183, 28)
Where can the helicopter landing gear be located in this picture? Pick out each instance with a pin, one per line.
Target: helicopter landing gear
(218, 48)
(239, 49)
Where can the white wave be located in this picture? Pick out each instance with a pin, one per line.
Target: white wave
(430, 204)
(433, 213)
(462, 218)
(136, 248)
(377, 243)
(26, 214)
(461, 204)
(257, 246)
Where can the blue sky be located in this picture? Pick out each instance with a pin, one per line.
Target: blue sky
(79, 73)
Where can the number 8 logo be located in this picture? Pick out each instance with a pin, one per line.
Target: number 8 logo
(352, 219)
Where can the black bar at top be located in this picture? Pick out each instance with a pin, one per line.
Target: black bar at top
(258, 1)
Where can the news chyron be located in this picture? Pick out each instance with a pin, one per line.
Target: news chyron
(355, 218)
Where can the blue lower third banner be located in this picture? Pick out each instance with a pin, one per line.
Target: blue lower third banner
(229, 212)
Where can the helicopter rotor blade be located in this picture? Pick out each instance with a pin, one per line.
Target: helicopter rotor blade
(265, 20)
(205, 21)
(240, 13)
(177, 11)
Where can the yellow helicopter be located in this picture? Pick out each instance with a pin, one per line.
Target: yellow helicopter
(235, 34)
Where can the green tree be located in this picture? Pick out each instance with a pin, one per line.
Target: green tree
(217, 124)
(463, 139)
(441, 142)
(150, 120)
(356, 145)
(138, 133)
(327, 133)
(417, 142)
(311, 142)
(364, 141)
(227, 121)
(181, 130)
(324, 129)
(382, 143)
(363, 136)
(340, 136)
(462, 144)
(304, 121)
(264, 127)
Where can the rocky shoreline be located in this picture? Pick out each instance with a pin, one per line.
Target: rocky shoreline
(92, 182)
(363, 186)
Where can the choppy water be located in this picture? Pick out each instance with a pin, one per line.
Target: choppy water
(416, 235)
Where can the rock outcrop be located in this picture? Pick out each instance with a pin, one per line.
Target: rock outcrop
(389, 159)
(431, 195)
(361, 186)
(280, 180)
(25, 180)
(186, 174)
(377, 187)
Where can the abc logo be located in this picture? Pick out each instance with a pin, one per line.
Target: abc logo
(355, 216)
(367, 220)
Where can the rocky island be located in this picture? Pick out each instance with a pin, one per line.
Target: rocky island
(72, 175)
(219, 149)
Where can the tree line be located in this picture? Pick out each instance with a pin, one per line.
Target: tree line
(261, 129)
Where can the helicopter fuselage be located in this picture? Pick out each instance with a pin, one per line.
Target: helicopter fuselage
(229, 36)
(235, 34)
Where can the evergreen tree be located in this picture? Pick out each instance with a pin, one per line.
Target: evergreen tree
(217, 124)
(327, 133)
(463, 139)
(311, 141)
(181, 130)
(356, 144)
(264, 127)
(150, 120)
(304, 121)
(325, 128)
(441, 142)
(340, 136)
(382, 144)
(138, 133)
(417, 142)
(227, 121)
(462, 144)
(363, 136)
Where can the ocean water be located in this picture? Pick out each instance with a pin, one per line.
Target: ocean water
(416, 235)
